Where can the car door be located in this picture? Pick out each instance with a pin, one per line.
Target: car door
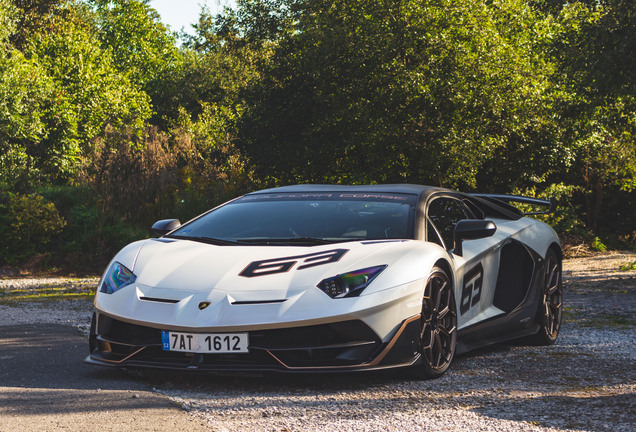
(475, 270)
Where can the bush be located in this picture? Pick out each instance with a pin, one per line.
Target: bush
(30, 223)
(598, 245)
(91, 236)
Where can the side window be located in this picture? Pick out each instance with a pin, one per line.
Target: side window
(444, 213)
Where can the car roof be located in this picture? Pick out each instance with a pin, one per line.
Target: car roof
(489, 207)
(421, 191)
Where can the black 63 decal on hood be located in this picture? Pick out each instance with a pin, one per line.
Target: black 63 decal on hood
(283, 265)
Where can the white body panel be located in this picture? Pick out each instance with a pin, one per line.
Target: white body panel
(193, 272)
(531, 232)
(189, 272)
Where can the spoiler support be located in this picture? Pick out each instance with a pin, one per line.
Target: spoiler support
(550, 204)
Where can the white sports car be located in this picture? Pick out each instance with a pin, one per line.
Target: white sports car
(331, 278)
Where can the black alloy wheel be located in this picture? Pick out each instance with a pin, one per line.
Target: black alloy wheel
(438, 326)
(551, 308)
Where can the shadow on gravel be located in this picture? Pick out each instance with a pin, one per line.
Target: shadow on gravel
(41, 371)
(267, 382)
(593, 413)
(282, 383)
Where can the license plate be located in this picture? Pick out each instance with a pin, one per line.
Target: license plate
(215, 343)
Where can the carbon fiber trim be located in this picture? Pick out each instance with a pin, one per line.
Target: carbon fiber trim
(343, 346)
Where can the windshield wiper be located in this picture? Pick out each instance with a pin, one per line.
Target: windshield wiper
(208, 240)
(294, 241)
(291, 241)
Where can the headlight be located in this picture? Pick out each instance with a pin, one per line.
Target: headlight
(117, 277)
(350, 284)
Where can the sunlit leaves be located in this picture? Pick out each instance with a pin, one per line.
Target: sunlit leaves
(370, 91)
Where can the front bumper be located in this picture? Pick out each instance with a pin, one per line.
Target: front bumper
(338, 346)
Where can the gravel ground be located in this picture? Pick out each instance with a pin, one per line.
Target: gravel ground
(70, 302)
(584, 382)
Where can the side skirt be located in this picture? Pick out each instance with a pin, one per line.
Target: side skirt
(517, 323)
(466, 344)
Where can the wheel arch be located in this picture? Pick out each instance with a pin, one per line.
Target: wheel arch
(445, 265)
(557, 250)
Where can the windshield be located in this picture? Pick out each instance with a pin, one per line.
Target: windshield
(306, 218)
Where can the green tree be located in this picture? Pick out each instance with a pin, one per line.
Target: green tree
(86, 75)
(595, 52)
(142, 48)
(33, 223)
(34, 16)
(8, 17)
(132, 31)
(394, 91)
(57, 93)
(26, 94)
(36, 133)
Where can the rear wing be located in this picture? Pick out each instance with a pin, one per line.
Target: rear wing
(507, 199)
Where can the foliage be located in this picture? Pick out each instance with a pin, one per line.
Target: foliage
(31, 224)
(22, 88)
(143, 179)
(56, 95)
(86, 74)
(202, 79)
(253, 24)
(34, 16)
(108, 124)
(367, 91)
(128, 173)
(598, 245)
(142, 48)
(594, 51)
(140, 44)
(566, 216)
(8, 17)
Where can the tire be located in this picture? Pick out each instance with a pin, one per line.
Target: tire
(550, 311)
(438, 327)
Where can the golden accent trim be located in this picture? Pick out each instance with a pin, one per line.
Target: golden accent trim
(373, 363)
(122, 360)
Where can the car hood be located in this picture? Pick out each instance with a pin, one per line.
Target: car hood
(271, 271)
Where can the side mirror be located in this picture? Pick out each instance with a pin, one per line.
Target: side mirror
(472, 229)
(164, 226)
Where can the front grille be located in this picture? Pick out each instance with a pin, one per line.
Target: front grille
(125, 333)
(337, 344)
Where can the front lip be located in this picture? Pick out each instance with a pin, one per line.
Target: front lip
(397, 352)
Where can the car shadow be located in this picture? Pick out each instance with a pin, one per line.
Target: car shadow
(247, 382)
(42, 371)
(567, 412)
